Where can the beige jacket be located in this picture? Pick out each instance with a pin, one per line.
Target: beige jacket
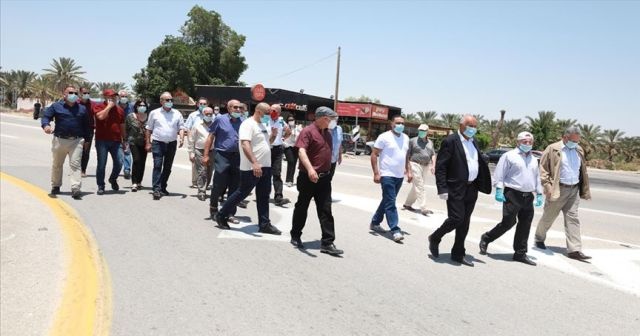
(550, 172)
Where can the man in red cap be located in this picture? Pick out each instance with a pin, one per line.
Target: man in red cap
(109, 122)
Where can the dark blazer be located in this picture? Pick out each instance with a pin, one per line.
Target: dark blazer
(452, 171)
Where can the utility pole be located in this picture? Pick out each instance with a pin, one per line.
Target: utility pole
(335, 96)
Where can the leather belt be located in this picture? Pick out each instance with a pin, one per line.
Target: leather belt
(324, 174)
(568, 185)
(68, 137)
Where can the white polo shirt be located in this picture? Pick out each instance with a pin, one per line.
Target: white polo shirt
(165, 125)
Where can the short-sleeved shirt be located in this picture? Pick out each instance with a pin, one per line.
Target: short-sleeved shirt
(279, 124)
(257, 133)
(318, 144)
(393, 153)
(193, 119)
(165, 125)
(225, 129)
(109, 128)
(420, 150)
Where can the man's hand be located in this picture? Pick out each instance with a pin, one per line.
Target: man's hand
(339, 159)
(205, 160)
(409, 176)
(110, 103)
(181, 142)
(192, 157)
(257, 169)
(444, 196)
(274, 131)
(147, 147)
(48, 129)
(313, 176)
(433, 170)
(86, 145)
(376, 177)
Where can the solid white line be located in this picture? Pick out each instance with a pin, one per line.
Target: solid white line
(8, 136)
(19, 125)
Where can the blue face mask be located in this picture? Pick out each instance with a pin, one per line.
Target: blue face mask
(422, 134)
(236, 115)
(398, 128)
(470, 132)
(124, 100)
(265, 119)
(525, 148)
(571, 145)
(72, 98)
(201, 108)
(142, 109)
(207, 119)
(168, 105)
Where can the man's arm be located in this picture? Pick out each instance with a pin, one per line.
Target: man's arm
(442, 162)
(102, 115)
(407, 167)
(207, 148)
(248, 152)
(45, 122)
(147, 140)
(545, 172)
(375, 153)
(308, 167)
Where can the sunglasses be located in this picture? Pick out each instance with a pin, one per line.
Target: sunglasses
(72, 92)
(236, 107)
(169, 100)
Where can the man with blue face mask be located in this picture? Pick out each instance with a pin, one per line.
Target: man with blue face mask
(516, 178)
(563, 171)
(193, 119)
(198, 135)
(421, 156)
(460, 173)
(390, 163)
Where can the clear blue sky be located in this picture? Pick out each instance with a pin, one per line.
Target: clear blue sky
(578, 58)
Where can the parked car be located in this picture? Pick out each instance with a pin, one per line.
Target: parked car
(348, 145)
(368, 147)
(495, 154)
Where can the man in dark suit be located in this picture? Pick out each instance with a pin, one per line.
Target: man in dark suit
(460, 173)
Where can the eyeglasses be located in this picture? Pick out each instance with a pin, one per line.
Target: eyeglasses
(169, 99)
(236, 107)
(72, 92)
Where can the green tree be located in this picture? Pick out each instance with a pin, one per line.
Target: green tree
(64, 71)
(43, 89)
(544, 129)
(611, 139)
(410, 117)
(487, 126)
(590, 139)
(565, 123)
(629, 147)
(116, 86)
(21, 82)
(207, 52)
(483, 140)
(363, 99)
(450, 120)
(91, 86)
(510, 130)
(428, 117)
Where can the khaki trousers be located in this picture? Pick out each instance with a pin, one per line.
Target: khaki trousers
(60, 149)
(203, 173)
(568, 203)
(418, 192)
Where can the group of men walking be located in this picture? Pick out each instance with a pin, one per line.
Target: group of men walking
(240, 153)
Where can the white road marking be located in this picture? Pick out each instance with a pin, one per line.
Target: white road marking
(7, 238)
(8, 136)
(249, 231)
(20, 125)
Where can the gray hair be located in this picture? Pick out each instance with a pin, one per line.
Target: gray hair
(572, 130)
(166, 93)
(465, 116)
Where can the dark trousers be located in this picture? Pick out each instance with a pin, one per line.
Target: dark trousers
(247, 182)
(103, 149)
(163, 154)
(226, 175)
(86, 153)
(139, 154)
(459, 215)
(291, 155)
(277, 153)
(321, 194)
(519, 205)
(333, 170)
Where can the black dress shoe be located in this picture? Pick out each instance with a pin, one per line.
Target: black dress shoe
(76, 194)
(281, 201)
(55, 190)
(331, 249)
(243, 204)
(222, 222)
(523, 259)
(433, 248)
(541, 245)
(484, 243)
(164, 192)
(114, 185)
(270, 229)
(463, 261)
(577, 255)
(213, 211)
(297, 242)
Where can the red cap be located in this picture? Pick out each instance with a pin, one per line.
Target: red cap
(109, 93)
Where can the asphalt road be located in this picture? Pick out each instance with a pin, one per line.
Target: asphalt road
(174, 273)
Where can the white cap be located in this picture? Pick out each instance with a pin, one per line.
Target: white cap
(524, 135)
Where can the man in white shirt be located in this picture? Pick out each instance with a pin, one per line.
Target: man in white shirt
(255, 170)
(193, 119)
(198, 135)
(163, 126)
(278, 126)
(516, 178)
(391, 149)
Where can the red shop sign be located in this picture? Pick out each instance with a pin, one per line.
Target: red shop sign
(354, 109)
(258, 93)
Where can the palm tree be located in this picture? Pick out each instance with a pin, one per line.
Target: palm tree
(565, 123)
(611, 139)
(63, 72)
(428, 117)
(496, 131)
(42, 89)
(486, 126)
(411, 117)
(480, 118)
(510, 130)
(91, 86)
(450, 120)
(22, 81)
(630, 148)
(115, 86)
(544, 129)
(590, 139)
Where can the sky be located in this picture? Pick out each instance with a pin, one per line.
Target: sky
(580, 59)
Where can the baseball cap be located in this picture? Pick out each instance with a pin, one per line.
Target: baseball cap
(524, 135)
(109, 93)
(423, 127)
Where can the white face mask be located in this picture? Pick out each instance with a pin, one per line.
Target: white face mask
(292, 123)
(333, 124)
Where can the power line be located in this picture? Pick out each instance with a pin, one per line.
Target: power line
(303, 67)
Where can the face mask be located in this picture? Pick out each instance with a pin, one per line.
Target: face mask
(525, 148)
(168, 105)
(72, 98)
(124, 100)
(399, 128)
(142, 109)
(207, 119)
(274, 115)
(265, 119)
(422, 134)
(333, 124)
(86, 96)
(246, 114)
(291, 123)
(470, 131)
(571, 145)
(201, 108)
(236, 115)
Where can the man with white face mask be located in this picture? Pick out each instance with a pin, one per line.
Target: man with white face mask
(391, 147)
(193, 119)
(421, 156)
(516, 178)
(197, 138)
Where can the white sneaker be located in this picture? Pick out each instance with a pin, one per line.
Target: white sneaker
(397, 236)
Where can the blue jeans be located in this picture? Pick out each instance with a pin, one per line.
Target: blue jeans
(247, 182)
(126, 160)
(104, 148)
(390, 188)
(163, 154)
